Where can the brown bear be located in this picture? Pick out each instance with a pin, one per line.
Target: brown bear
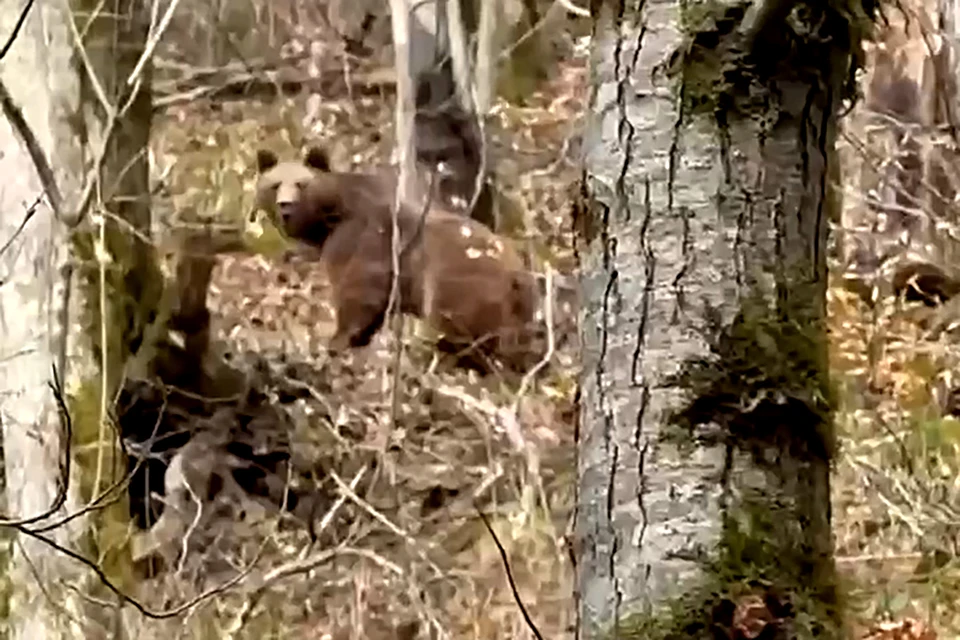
(468, 282)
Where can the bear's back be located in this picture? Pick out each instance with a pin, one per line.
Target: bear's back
(475, 283)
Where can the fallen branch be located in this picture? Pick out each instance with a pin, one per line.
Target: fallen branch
(269, 82)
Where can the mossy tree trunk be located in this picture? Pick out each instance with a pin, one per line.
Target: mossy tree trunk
(78, 108)
(114, 37)
(120, 286)
(705, 433)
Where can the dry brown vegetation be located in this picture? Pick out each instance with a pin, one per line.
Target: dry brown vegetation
(895, 485)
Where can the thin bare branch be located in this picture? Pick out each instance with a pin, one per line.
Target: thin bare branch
(136, 604)
(63, 480)
(513, 585)
(27, 216)
(152, 42)
(574, 9)
(458, 53)
(16, 29)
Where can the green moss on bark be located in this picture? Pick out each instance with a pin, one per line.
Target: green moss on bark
(762, 395)
(745, 576)
(763, 392)
(732, 52)
(107, 540)
(765, 385)
(118, 313)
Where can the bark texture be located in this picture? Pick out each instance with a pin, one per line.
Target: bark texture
(705, 433)
(90, 124)
(34, 282)
(117, 119)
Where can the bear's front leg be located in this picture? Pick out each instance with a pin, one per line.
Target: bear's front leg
(361, 305)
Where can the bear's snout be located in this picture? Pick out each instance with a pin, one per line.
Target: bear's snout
(286, 210)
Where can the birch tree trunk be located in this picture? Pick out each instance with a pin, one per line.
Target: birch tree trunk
(37, 73)
(84, 121)
(705, 433)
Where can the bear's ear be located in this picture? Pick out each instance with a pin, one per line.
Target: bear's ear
(316, 158)
(266, 160)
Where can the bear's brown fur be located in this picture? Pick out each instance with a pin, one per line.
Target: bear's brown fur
(469, 283)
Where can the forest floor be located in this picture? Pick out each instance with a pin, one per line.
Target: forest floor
(411, 548)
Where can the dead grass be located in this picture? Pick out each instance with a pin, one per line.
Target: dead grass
(895, 487)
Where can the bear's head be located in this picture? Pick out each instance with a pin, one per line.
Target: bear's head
(330, 200)
(280, 184)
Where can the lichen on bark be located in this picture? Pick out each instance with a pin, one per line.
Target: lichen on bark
(703, 239)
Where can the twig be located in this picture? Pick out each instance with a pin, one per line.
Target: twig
(152, 42)
(548, 323)
(275, 575)
(334, 508)
(457, 37)
(574, 9)
(102, 256)
(87, 65)
(104, 500)
(16, 29)
(31, 210)
(360, 502)
(64, 464)
(87, 195)
(136, 604)
(504, 55)
(400, 23)
(185, 542)
(393, 302)
(297, 567)
(506, 566)
(533, 460)
(481, 176)
(19, 124)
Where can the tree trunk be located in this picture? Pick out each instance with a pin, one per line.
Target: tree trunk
(43, 89)
(705, 433)
(446, 128)
(84, 115)
(119, 281)
(402, 27)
